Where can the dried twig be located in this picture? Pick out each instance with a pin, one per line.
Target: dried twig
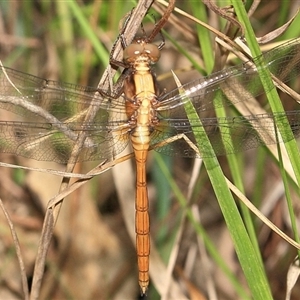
(18, 252)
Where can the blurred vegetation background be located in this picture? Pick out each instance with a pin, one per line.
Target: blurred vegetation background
(92, 256)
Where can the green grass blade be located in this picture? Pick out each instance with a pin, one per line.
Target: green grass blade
(273, 99)
(212, 250)
(250, 262)
(100, 50)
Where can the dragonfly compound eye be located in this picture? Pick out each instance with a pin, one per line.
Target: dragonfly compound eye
(133, 51)
(152, 52)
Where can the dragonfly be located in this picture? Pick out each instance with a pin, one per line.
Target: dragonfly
(48, 117)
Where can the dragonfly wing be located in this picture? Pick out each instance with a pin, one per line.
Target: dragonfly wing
(235, 84)
(48, 142)
(31, 96)
(227, 135)
(221, 89)
(49, 116)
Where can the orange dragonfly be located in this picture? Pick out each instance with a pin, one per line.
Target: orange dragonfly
(57, 118)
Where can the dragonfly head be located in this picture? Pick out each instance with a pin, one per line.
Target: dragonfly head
(141, 48)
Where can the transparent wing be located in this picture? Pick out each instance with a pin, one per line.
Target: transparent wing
(222, 89)
(227, 135)
(49, 116)
(235, 84)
